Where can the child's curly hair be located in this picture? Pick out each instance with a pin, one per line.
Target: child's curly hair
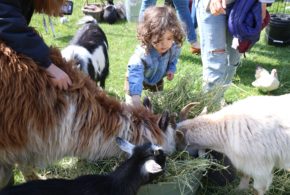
(156, 21)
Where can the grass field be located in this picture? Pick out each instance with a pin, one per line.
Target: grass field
(122, 42)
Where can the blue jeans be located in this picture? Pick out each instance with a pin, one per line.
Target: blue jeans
(182, 9)
(219, 59)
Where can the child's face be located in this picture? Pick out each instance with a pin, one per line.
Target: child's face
(165, 43)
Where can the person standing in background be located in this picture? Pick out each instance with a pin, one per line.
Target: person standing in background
(219, 59)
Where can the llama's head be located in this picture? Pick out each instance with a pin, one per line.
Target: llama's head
(166, 124)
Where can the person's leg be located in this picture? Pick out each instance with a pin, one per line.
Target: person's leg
(183, 11)
(193, 14)
(218, 58)
(234, 58)
(145, 4)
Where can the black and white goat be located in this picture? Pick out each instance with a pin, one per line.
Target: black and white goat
(145, 163)
(89, 48)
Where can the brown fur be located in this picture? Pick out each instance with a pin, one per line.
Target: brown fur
(28, 100)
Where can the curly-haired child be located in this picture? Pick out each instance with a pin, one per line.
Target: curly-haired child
(161, 36)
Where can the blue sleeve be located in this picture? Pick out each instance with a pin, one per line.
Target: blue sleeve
(135, 75)
(14, 31)
(175, 53)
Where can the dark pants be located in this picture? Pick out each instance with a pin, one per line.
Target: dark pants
(157, 87)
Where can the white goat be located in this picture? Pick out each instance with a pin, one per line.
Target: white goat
(254, 133)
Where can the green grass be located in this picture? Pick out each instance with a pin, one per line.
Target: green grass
(122, 42)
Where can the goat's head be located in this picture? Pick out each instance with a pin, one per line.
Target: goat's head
(181, 129)
(151, 157)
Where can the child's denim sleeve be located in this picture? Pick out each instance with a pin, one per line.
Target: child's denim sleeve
(135, 76)
(175, 52)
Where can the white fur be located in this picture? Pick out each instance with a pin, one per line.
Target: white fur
(254, 133)
(151, 166)
(98, 59)
(72, 51)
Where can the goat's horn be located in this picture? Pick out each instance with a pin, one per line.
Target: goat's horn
(184, 111)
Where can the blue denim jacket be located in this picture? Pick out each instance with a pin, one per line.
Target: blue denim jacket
(150, 67)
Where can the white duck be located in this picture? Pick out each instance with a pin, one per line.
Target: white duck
(266, 81)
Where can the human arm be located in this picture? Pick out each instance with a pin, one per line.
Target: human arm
(59, 78)
(135, 81)
(135, 75)
(173, 59)
(16, 33)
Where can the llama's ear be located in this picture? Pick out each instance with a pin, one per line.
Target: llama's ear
(125, 145)
(164, 120)
(147, 103)
(151, 166)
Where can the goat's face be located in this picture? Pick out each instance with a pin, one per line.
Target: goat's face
(153, 160)
(149, 156)
(182, 129)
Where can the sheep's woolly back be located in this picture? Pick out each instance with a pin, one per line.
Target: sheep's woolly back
(28, 101)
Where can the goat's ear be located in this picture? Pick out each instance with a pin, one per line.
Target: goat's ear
(125, 145)
(151, 166)
(180, 139)
(204, 111)
(164, 120)
(179, 135)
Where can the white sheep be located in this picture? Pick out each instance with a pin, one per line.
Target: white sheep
(254, 133)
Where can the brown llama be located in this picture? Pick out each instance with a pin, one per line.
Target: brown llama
(40, 124)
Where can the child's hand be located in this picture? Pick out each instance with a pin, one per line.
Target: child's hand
(170, 75)
(136, 100)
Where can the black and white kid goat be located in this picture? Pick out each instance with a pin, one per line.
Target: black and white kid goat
(146, 162)
(89, 48)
